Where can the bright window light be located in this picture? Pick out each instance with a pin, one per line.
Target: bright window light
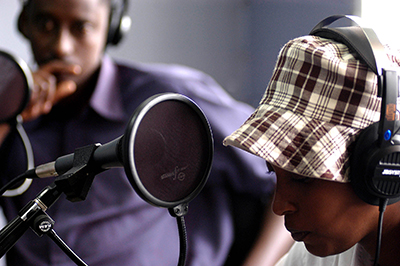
(382, 15)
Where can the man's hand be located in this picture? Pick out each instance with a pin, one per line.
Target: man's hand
(47, 90)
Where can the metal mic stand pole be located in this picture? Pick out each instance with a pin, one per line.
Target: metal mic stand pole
(13, 231)
(34, 215)
(43, 224)
(75, 184)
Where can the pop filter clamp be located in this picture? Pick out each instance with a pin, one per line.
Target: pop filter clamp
(166, 151)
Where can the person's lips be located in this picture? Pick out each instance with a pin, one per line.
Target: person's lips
(298, 235)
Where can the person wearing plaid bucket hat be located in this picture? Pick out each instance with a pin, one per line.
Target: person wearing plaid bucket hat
(321, 96)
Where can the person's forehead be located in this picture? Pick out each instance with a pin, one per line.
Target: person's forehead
(71, 9)
(83, 5)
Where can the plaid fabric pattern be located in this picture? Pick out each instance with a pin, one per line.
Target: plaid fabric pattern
(318, 99)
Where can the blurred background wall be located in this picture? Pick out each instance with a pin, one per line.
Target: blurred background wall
(235, 41)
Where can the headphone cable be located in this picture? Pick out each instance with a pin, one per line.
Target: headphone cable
(8, 190)
(382, 207)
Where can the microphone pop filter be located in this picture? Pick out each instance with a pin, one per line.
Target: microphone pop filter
(169, 150)
(16, 83)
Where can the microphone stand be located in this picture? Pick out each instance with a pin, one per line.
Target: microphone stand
(75, 183)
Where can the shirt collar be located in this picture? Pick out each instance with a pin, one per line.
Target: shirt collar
(106, 99)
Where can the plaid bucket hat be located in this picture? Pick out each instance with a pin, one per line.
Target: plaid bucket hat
(319, 98)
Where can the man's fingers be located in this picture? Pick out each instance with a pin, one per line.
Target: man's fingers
(59, 67)
(64, 89)
(52, 83)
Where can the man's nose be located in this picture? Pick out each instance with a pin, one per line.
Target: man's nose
(64, 44)
(283, 202)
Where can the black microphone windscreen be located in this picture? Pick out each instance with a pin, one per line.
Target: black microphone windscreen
(172, 150)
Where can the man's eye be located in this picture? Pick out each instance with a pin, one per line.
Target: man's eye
(303, 179)
(83, 28)
(45, 25)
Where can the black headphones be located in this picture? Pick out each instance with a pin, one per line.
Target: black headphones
(120, 22)
(375, 156)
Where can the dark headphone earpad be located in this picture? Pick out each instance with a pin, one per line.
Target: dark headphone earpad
(115, 31)
(364, 160)
(365, 142)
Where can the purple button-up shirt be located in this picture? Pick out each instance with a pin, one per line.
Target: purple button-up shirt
(114, 226)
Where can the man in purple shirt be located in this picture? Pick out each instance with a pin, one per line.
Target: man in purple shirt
(80, 97)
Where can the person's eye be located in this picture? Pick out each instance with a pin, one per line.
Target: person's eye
(303, 179)
(83, 28)
(45, 24)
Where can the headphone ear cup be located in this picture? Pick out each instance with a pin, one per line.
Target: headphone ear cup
(119, 22)
(112, 37)
(368, 164)
(358, 163)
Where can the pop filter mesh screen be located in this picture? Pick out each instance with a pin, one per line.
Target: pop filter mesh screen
(171, 150)
(13, 91)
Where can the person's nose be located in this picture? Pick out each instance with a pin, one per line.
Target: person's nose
(64, 43)
(283, 202)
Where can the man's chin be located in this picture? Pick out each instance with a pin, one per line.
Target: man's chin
(323, 250)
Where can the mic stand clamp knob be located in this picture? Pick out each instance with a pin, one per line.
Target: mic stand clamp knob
(42, 224)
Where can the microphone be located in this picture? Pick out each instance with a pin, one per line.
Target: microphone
(166, 151)
(104, 157)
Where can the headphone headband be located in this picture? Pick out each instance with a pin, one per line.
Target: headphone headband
(364, 41)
